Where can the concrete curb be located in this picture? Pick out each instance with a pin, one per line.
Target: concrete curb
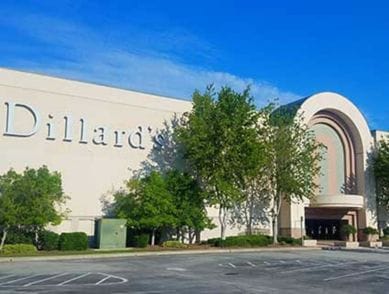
(150, 253)
(382, 250)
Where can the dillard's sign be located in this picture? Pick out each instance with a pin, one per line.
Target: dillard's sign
(99, 135)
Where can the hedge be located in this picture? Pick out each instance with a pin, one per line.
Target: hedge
(73, 241)
(174, 244)
(19, 236)
(10, 249)
(241, 241)
(289, 240)
(48, 240)
(386, 231)
(140, 241)
(251, 241)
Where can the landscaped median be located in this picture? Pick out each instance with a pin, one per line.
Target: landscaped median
(230, 244)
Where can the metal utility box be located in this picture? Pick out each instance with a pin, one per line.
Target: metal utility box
(111, 233)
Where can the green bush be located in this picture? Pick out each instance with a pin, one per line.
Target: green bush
(241, 241)
(214, 242)
(141, 241)
(370, 231)
(174, 244)
(10, 249)
(289, 240)
(386, 231)
(348, 230)
(19, 236)
(48, 240)
(73, 241)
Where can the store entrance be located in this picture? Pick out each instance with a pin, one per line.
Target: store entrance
(323, 229)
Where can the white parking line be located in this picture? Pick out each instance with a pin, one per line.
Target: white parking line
(356, 274)
(267, 263)
(103, 280)
(46, 279)
(5, 277)
(71, 280)
(251, 264)
(177, 269)
(232, 265)
(20, 279)
(123, 280)
(319, 266)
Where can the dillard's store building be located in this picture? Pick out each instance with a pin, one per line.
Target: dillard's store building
(96, 136)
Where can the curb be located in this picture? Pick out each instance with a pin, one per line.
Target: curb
(382, 250)
(150, 253)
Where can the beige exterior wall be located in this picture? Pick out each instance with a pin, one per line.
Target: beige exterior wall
(383, 216)
(89, 170)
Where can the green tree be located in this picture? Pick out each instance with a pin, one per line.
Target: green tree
(381, 172)
(188, 199)
(292, 159)
(172, 200)
(214, 138)
(252, 210)
(31, 200)
(148, 204)
(8, 207)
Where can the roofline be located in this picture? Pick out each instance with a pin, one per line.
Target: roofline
(94, 84)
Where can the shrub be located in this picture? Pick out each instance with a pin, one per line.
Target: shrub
(174, 244)
(241, 241)
(214, 242)
(289, 240)
(348, 230)
(73, 241)
(386, 231)
(141, 241)
(370, 231)
(19, 236)
(10, 249)
(48, 240)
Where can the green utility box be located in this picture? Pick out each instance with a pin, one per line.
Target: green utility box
(111, 233)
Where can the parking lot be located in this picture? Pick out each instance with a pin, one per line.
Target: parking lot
(257, 272)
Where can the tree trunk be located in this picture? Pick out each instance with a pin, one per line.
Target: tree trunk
(275, 229)
(190, 235)
(222, 221)
(5, 232)
(249, 230)
(276, 212)
(250, 217)
(153, 237)
(198, 236)
(36, 239)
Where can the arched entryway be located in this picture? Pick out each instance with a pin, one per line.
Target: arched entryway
(338, 179)
(345, 191)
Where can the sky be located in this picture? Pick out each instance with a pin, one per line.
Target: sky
(284, 50)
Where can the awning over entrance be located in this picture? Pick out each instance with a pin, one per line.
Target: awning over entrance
(342, 200)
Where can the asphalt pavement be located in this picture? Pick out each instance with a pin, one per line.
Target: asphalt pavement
(316, 271)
